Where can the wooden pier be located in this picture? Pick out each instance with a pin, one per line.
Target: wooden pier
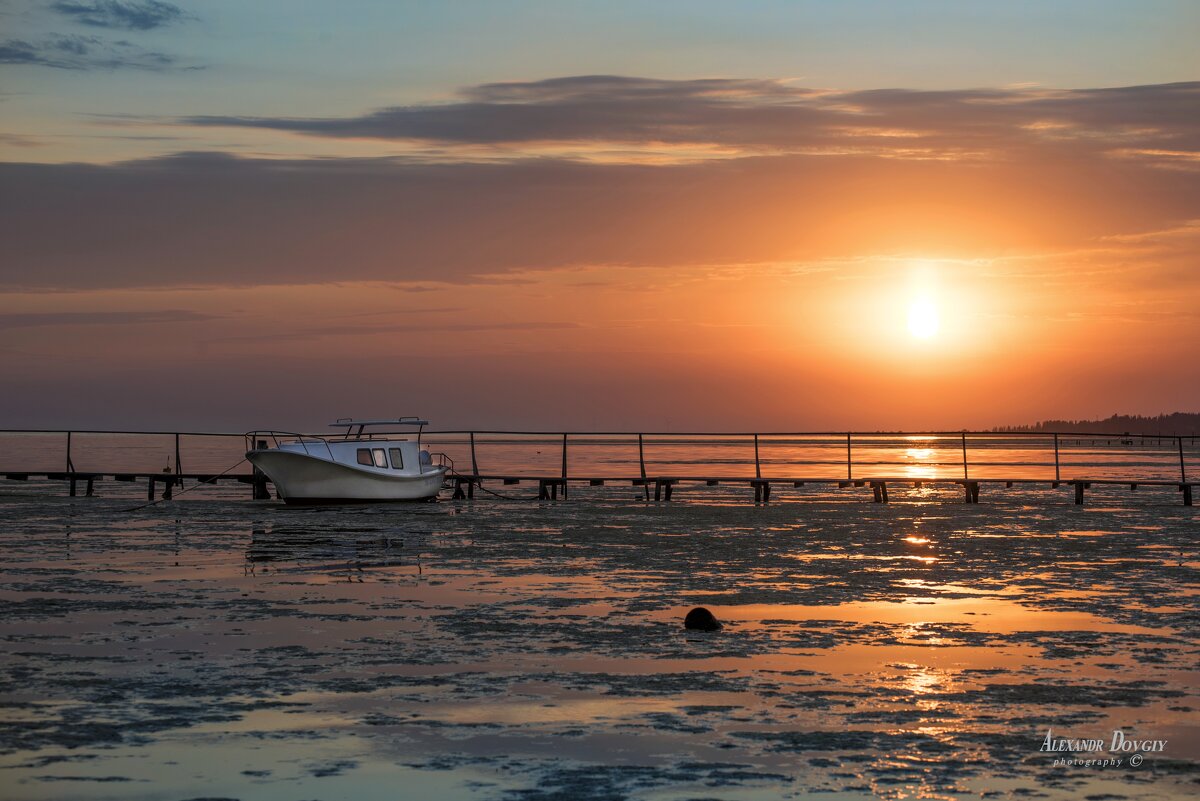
(645, 474)
(760, 485)
(168, 481)
(664, 486)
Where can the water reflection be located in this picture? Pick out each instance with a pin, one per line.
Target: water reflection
(346, 553)
(919, 459)
(541, 653)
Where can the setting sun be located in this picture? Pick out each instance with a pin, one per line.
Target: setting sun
(923, 320)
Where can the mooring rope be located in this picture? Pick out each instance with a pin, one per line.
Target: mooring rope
(182, 491)
(521, 499)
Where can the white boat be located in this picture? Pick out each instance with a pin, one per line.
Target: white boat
(356, 467)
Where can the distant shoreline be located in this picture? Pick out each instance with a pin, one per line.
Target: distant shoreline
(1174, 424)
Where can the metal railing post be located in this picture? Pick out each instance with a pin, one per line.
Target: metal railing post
(1182, 469)
(1057, 475)
(474, 464)
(70, 464)
(757, 467)
(642, 464)
(564, 467)
(849, 463)
(964, 450)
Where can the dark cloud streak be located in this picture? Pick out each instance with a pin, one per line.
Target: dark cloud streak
(133, 16)
(76, 52)
(761, 114)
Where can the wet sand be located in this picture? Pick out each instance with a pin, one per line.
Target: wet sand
(219, 648)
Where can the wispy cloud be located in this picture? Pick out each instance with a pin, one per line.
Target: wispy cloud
(140, 15)
(16, 140)
(419, 328)
(45, 319)
(75, 52)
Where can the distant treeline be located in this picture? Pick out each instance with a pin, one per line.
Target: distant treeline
(1177, 424)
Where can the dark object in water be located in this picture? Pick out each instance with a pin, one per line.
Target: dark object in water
(700, 619)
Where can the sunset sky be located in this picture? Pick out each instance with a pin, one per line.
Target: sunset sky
(614, 215)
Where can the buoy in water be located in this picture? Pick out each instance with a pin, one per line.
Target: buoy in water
(700, 619)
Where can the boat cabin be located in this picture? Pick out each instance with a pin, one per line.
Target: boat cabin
(384, 453)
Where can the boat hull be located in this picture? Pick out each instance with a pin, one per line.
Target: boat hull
(304, 479)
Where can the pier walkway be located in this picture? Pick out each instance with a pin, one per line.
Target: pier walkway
(463, 485)
(549, 486)
(1139, 460)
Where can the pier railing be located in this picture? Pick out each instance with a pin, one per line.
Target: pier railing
(652, 459)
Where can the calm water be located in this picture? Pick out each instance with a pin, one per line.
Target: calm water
(214, 647)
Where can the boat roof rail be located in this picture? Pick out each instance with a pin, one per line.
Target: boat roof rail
(346, 422)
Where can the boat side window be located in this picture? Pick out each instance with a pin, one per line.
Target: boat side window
(364, 456)
(397, 459)
(380, 457)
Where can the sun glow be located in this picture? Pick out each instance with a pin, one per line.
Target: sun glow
(923, 320)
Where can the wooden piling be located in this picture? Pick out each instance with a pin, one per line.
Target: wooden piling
(642, 464)
(1187, 494)
(1079, 487)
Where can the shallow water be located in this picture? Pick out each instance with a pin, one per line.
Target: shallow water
(220, 648)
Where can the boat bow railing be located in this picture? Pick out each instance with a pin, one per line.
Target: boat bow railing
(253, 438)
(440, 459)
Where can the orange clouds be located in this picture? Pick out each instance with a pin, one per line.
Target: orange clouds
(762, 271)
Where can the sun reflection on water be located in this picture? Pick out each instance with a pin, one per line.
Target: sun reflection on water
(918, 457)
